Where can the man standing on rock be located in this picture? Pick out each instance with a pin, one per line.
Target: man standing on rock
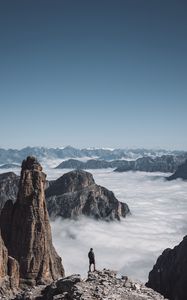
(91, 257)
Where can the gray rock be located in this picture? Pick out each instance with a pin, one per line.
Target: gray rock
(99, 285)
(169, 274)
(181, 172)
(8, 187)
(75, 194)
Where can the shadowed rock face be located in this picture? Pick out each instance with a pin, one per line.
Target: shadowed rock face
(169, 274)
(8, 187)
(26, 230)
(181, 172)
(75, 194)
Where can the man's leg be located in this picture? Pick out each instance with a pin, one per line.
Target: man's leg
(89, 267)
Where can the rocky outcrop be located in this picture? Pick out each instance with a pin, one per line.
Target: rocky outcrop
(99, 285)
(181, 172)
(168, 275)
(26, 230)
(75, 194)
(9, 273)
(8, 187)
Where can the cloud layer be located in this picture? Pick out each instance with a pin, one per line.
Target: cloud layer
(158, 221)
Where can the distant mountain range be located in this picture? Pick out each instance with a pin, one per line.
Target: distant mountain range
(164, 163)
(8, 156)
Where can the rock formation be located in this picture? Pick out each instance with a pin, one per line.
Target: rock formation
(181, 172)
(75, 194)
(99, 285)
(168, 275)
(9, 273)
(26, 230)
(8, 187)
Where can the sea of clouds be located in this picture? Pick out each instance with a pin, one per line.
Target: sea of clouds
(158, 220)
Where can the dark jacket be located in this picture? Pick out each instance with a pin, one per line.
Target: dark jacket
(91, 257)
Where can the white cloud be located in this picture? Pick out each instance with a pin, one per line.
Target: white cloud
(158, 221)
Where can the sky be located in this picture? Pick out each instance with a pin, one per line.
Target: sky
(103, 73)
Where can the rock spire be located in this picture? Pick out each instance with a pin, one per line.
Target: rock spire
(28, 236)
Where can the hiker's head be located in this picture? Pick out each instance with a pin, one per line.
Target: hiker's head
(91, 249)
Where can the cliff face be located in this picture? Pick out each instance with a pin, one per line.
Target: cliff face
(75, 194)
(26, 230)
(168, 275)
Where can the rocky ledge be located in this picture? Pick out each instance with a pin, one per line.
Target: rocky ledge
(76, 193)
(99, 285)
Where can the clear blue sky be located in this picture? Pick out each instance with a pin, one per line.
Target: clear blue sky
(109, 73)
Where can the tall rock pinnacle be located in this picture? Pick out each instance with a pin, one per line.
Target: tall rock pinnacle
(29, 240)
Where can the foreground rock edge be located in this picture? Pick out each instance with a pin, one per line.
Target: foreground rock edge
(98, 285)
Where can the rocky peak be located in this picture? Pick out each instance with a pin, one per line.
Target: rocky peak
(28, 235)
(76, 193)
(31, 163)
(71, 182)
(32, 182)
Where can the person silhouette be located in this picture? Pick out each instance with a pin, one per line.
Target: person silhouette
(91, 257)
